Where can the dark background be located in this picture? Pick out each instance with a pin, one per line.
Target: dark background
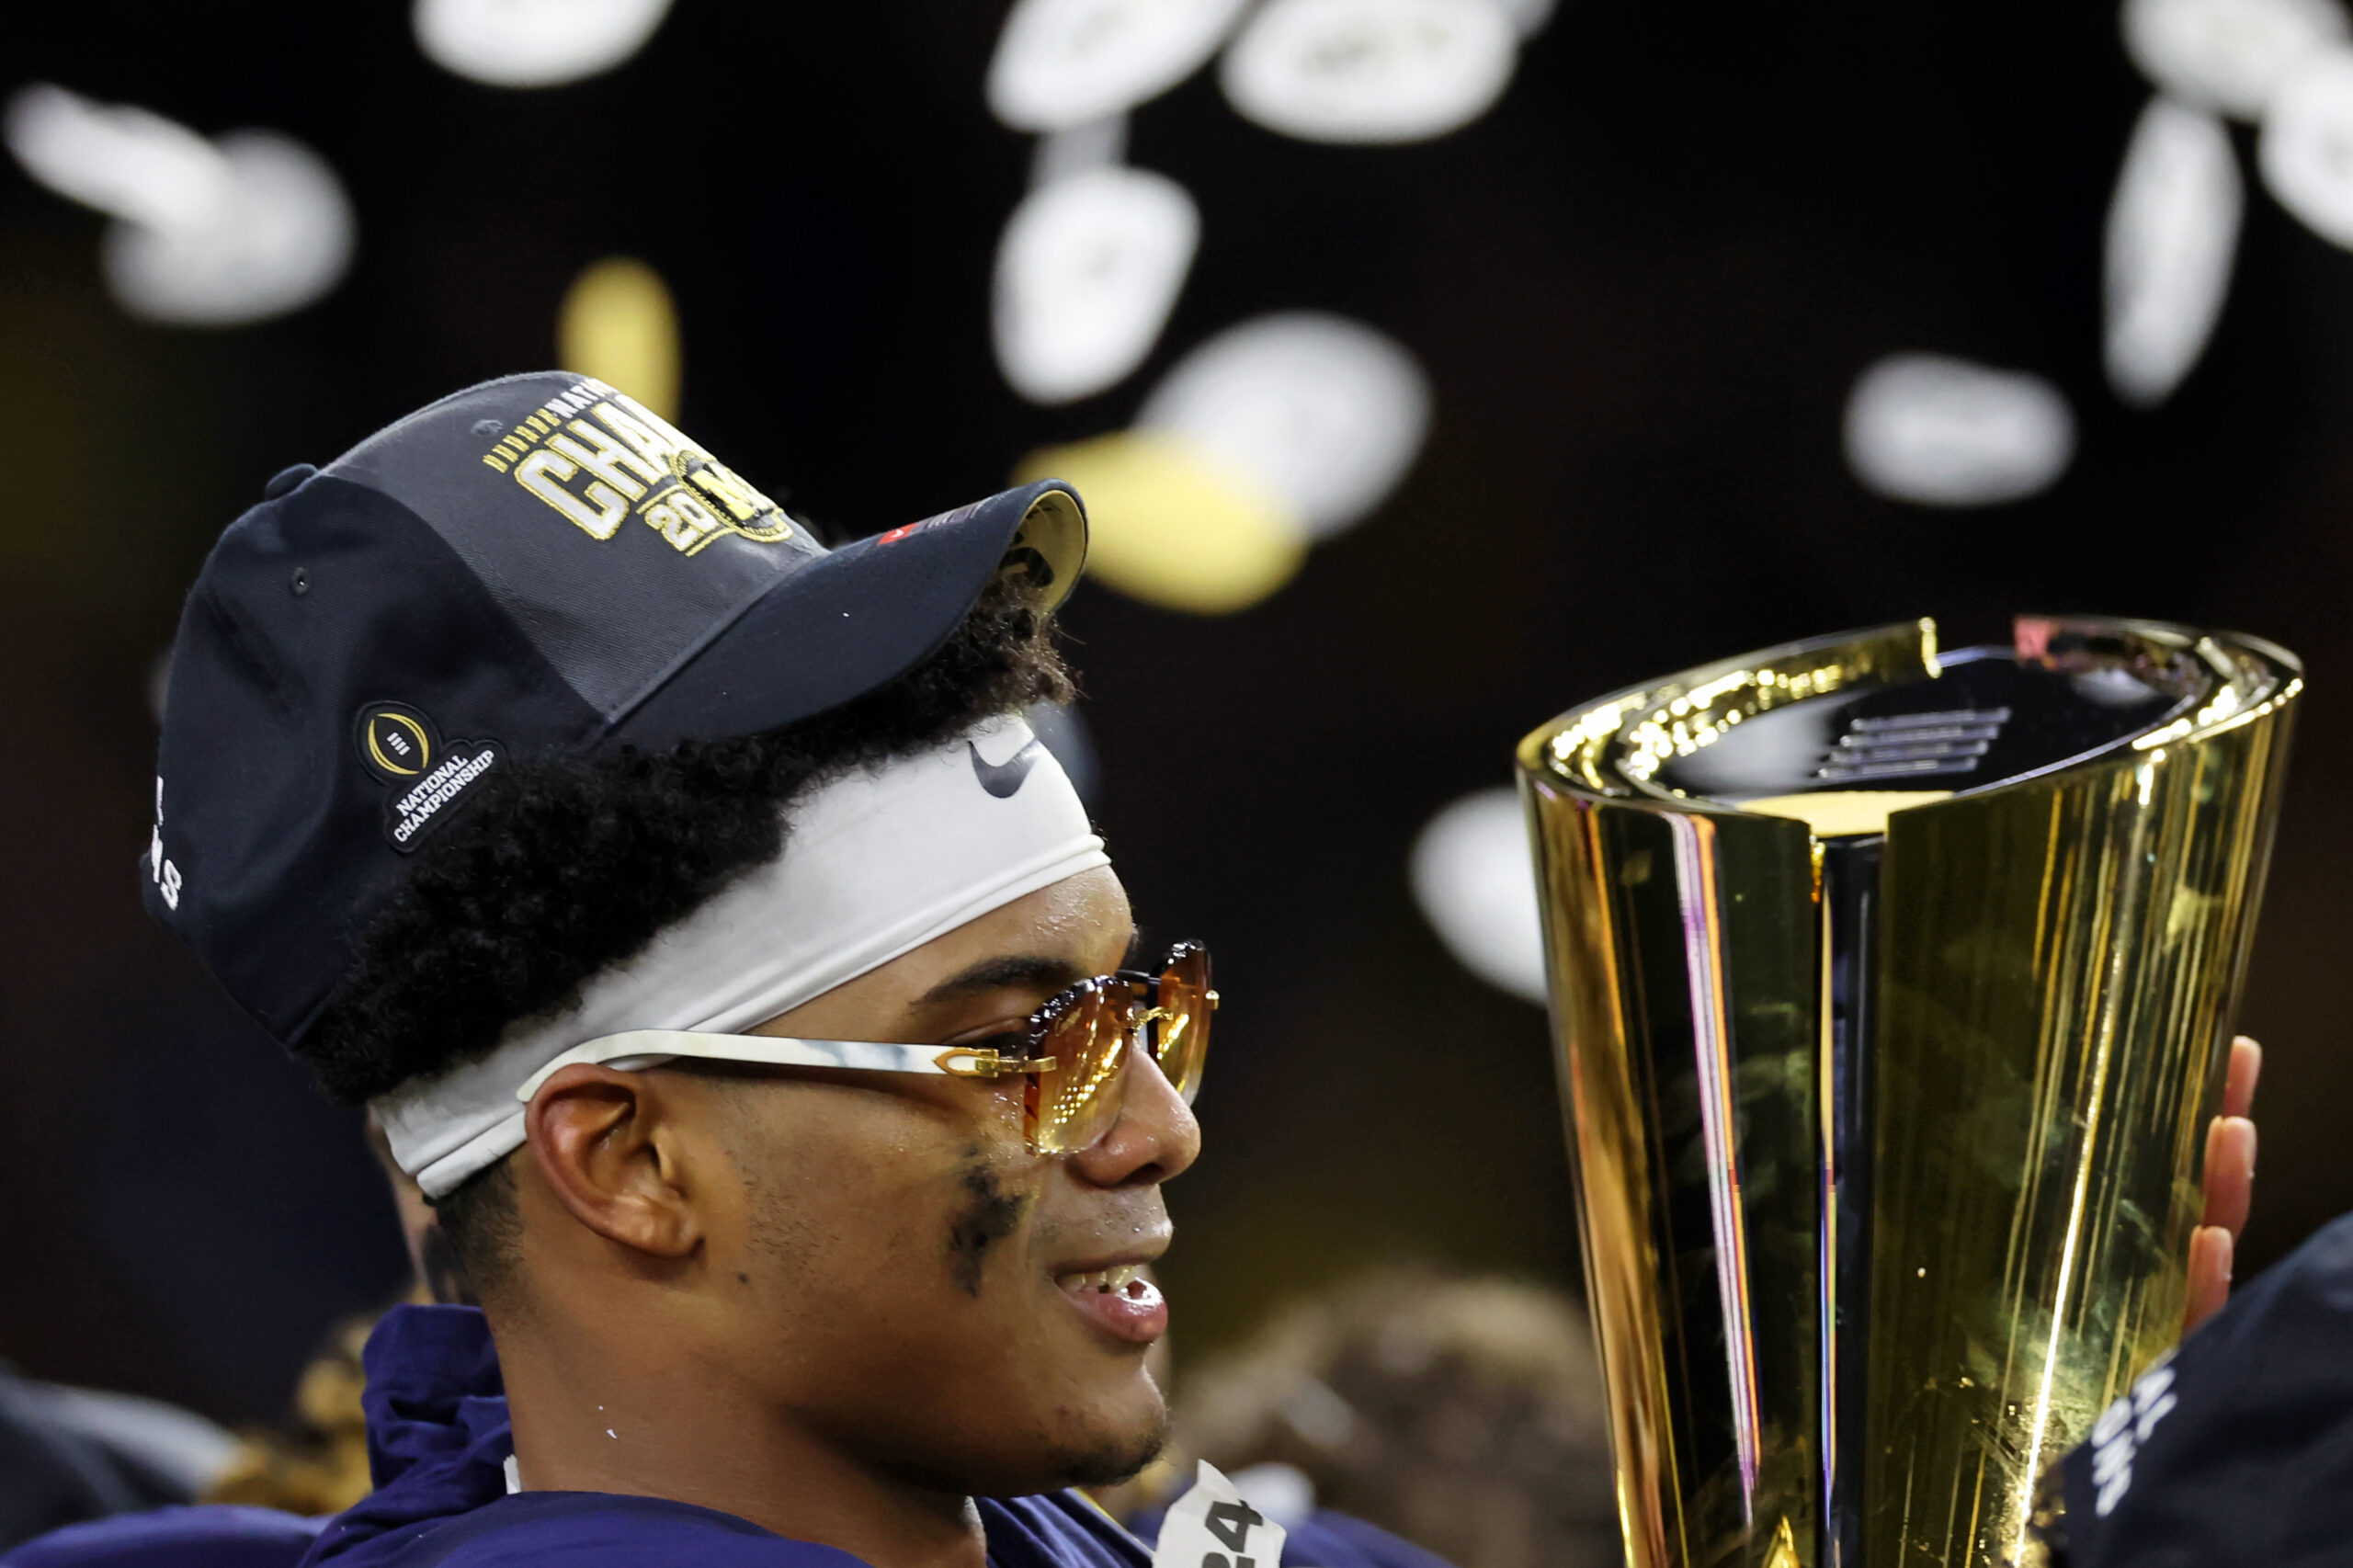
(1642, 287)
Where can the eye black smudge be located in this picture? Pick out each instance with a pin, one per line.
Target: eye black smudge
(988, 1217)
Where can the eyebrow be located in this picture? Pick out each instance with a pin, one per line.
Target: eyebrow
(999, 974)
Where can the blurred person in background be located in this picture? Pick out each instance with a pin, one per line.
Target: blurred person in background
(1463, 1414)
(70, 1454)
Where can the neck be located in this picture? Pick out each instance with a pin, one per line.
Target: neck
(594, 1417)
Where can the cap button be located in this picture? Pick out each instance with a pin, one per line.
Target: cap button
(286, 479)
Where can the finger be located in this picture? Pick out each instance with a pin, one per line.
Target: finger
(2209, 1275)
(2230, 1173)
(2238, 1083)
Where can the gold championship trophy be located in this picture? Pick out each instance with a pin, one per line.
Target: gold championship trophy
(1893, 991)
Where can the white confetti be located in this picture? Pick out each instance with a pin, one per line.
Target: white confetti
(533, 43)
(1475, 876)
(1063, 63)
(1370, 71)
(2227, 55)
(2307, 150)
(1944, 432)
(2172, 228)
(1326, 411)
(208, 233)
(1089, 268)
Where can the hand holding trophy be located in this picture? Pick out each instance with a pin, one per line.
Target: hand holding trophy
(1893, 991)
(2230, 1185)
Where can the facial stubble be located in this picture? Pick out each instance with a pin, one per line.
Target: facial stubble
(990, 1215)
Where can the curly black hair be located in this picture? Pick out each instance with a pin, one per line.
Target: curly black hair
(568, 866)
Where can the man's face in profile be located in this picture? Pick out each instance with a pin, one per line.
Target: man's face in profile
(891, 1267)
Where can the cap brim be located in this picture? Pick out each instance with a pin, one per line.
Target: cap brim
(859, 618)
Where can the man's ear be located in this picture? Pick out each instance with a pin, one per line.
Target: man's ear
(609, 1149)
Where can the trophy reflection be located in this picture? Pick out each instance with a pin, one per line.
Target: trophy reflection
(1892, 992)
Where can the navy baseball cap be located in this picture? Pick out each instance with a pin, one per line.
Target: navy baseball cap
(2238, 1449)
(534, 567)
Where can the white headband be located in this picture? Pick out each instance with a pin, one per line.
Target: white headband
(875, 865)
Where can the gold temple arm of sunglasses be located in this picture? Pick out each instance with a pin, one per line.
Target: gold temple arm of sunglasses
(963, 1062)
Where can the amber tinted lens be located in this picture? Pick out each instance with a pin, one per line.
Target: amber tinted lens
(1076, 1101)
(1181, 1036)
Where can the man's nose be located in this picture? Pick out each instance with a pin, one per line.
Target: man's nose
(1154, 1138)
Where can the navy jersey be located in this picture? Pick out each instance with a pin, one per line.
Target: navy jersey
(438, 1443)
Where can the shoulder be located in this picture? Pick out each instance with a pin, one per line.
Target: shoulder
(590, 1529)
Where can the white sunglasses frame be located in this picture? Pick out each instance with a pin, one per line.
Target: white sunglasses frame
(639, 1048)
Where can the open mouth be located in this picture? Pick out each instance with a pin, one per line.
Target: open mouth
(1121, 1300)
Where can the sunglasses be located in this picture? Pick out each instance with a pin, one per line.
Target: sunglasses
(1073, 1051)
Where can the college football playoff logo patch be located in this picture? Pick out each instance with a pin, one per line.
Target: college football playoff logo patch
(425, 778)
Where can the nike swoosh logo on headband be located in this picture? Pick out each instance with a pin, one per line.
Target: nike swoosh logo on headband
(1004, 779)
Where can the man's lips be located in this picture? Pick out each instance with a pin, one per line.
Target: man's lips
(1120, 1299)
